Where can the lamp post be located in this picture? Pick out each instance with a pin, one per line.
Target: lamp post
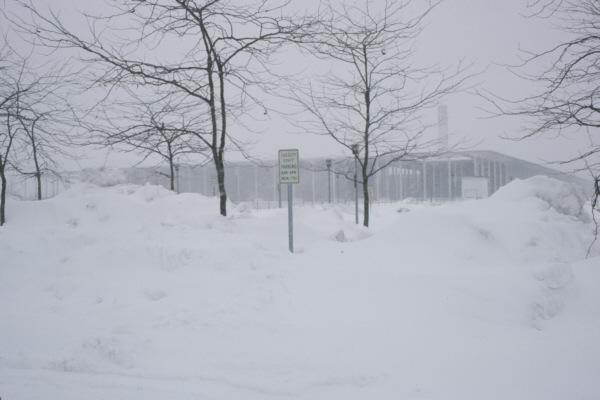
(177, 177)
(328, 163)
(337, 188)
(355, 149)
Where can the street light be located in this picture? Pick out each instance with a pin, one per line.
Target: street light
(177, 177)
(328, 163)
(355, 149)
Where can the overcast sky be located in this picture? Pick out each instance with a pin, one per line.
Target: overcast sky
(489, 34)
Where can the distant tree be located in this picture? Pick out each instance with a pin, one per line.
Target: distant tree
(372, 99)
(45, 119)
(32, 150)
(164, 128)
(34, 117)
(13, 86)
(211, 51)
(8, 96)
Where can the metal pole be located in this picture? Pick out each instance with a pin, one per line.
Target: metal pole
(329, 185)
(237, 174)
(312, 176)
(189, 179)
(355, 191)
(450, 174)
(290, 217)
(355, 152)
(255, 182)
(177, 178)
(424, 181)
(328, 162)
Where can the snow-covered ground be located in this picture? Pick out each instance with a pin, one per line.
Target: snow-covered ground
(129, 292)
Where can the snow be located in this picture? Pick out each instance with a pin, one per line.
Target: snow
(132, 292)
(103, 176)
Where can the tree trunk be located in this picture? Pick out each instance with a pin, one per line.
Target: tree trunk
(221, 181)
(38, 172)
(2, 197)
(366, 204)
(172, 174)
(218, 136)
(38, 178)
(223, 137)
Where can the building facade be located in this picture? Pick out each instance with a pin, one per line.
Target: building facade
(436, 179)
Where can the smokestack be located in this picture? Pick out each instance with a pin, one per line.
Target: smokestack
(443, 127)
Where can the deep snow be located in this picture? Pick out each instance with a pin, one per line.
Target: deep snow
(130, 292)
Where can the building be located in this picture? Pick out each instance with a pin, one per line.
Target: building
(437, 179)
(454, 176)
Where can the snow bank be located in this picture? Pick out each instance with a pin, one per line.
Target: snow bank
(123, 291)
(562, 197)
(103, 176)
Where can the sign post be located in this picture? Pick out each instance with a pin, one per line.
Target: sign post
(213, 183)
(289, 173)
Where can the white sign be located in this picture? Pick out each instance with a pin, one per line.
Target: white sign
(289, 166)
(474, 187)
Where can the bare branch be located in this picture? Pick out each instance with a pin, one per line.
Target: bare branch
(373, 97)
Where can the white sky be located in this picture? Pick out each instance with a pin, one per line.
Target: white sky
(487, 33)
(490, 33)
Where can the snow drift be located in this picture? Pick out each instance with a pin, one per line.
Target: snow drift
(119, 291)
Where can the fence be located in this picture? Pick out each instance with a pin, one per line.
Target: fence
(432, 180)
(26, 187)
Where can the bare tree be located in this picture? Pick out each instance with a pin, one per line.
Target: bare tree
(212, 51)
(165, 128)
(372, 99)
(13, 86)
(8, 96)
(566, 102)
(32, 149)
(569, 95)
(45, 119)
